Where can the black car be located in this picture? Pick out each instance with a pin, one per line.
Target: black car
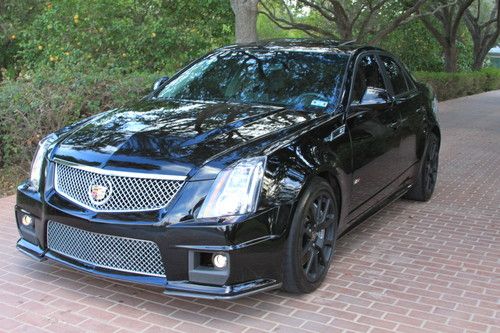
(236, 175)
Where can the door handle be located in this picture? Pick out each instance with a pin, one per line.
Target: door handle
(394, 125)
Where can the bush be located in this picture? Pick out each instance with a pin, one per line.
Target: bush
(453, 85)
(38, 103)
(149, 35)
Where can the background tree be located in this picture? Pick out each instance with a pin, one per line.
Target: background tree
(245, 14)
(483, 22)
(366, 21)
(444, 25)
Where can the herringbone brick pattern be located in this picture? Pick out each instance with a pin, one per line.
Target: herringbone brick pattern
(413, 267)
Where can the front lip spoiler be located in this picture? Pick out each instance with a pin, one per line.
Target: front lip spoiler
(186, 289)
(172, 288)
(31, 250)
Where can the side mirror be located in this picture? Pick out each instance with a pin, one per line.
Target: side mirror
(375, 96)
(159, 82)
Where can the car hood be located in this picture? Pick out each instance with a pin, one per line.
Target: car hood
(173, 137)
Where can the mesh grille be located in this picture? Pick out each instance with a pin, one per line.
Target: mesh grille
(122, 194)
(105, 251)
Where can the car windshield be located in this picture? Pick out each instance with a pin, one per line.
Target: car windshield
(297, 80)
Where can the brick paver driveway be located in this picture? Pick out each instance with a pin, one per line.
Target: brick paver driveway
(421, 267)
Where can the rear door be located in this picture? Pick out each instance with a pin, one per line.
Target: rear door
(407, 103)
(373, 126)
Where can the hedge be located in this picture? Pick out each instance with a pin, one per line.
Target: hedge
(453, 85)
(40, 102)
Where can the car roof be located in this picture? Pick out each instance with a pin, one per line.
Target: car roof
(302, 44)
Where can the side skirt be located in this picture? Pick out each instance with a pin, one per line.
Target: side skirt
(397, 195)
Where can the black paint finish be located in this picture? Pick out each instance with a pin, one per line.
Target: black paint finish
(369, 152)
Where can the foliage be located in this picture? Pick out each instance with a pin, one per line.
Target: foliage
(42, 101)
(417, 48)
(154, 35)
(453, 85)
(267, 30)
(13, 15)
(364, 21)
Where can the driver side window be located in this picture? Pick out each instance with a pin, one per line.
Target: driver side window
(369, 87)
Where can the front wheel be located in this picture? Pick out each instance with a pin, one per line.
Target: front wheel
(311, 241)
(423, 188)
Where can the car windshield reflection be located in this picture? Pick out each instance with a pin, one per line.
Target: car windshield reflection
(297, 80)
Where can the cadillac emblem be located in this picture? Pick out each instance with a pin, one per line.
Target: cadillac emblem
(99, 191)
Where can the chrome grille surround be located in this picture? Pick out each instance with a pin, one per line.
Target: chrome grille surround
(105, 251)
(128, 191)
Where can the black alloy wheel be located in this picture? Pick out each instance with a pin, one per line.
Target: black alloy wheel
(318, 237)
(311, 243)
(431, 168)
(425, 183)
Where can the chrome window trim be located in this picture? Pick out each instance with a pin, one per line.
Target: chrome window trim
(118, 173)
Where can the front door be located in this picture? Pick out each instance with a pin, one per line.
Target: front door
(373, 124)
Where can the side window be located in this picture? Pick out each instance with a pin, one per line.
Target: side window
(395, 74)
(369, 87)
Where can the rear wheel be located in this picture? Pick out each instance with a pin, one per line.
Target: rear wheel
(311, 241)
(425, 183)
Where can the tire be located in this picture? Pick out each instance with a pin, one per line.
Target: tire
(424, 185)
(311, 240)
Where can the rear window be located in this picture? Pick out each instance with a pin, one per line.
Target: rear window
(395, 74)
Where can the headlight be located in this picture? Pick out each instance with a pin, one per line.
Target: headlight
(235, 190)
(36, 165)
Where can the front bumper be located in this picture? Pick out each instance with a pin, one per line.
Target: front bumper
(254, 247)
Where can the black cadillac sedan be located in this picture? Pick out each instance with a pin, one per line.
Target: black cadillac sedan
(236, 175)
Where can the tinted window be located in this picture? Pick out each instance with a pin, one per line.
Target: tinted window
(299, 80)
(395, 74)
(369, 87)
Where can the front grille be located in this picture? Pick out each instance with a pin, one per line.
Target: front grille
(105, 251)
(122, 193)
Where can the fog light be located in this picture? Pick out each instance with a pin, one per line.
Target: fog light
(219, 260)
(27, 220)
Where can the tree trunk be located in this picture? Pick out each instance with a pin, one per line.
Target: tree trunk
(245, 14)
(479, 58)
(451, 57)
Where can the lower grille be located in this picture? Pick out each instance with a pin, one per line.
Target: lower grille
(105, 251)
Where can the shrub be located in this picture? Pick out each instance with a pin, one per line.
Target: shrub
(41, 102)
(453, 85)
(136, 35)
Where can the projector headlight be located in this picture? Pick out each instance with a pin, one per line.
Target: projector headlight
(36, 165)
(236, 189)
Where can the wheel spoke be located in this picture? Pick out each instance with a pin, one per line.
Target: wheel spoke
(310, 262)
(324, 214)
(308, 247)
(319, 213)
(329, 219)
(321, 256)
(315, 264)
(305, 257)
(328, 242)
(314, 213)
